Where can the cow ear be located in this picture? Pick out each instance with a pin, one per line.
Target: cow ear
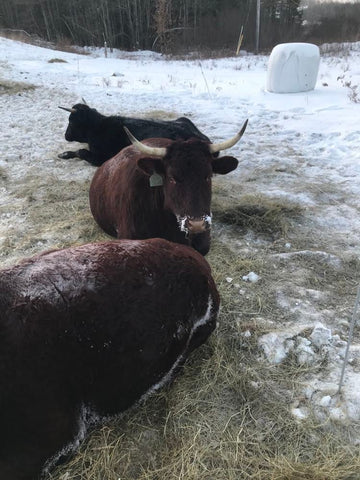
(223, 165)
(150, 165)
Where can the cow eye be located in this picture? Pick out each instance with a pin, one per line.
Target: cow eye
(174, 180)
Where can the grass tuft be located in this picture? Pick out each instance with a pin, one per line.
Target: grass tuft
(57, 60)
(13, 88)
(257, 213)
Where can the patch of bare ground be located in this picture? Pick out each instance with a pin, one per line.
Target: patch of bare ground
(14, 88)
(57, 60)
(159, 114)
(43, 212)
(269, 218)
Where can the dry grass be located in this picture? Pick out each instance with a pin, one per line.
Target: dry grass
(159, 114)
(13, 88)
(63, 45)
(57, 60)
(256, 212)
(52, 213)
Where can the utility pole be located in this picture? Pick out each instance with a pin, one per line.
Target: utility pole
(257, 26)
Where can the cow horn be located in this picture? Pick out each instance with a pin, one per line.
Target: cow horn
(153, 151)
(71, 110)
(217, 147)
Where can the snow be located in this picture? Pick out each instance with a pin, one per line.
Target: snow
(300, 148)
(251, 277)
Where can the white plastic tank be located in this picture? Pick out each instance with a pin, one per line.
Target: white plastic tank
(293, 67)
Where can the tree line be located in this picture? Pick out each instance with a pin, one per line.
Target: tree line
(326, 22)
(176, 25)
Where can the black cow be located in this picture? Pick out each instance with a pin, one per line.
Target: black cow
(88, 331)
(160, 188)
(105, 135)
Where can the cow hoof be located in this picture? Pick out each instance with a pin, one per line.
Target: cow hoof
(66, 155)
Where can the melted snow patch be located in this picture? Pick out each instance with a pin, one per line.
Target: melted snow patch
(307, 349)
(320, 392)
(316, 255)
(251, 277)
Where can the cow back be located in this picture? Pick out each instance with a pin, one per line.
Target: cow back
(93, 328)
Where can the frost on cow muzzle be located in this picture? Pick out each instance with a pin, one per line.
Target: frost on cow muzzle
(194, 225)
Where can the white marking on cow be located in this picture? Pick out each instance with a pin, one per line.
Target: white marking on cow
(182, 222)
(87, 417)
(208, 219)
(167, 377)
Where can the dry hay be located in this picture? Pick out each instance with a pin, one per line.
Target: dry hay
(57, 60)
(50, 213)
(159, 115)
(258, 213)
(14, 88)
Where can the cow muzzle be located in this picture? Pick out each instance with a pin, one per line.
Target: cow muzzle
(194, 225)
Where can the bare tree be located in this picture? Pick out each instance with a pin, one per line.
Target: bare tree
(170, 25)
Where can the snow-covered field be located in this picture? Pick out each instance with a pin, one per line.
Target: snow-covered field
(300, 149)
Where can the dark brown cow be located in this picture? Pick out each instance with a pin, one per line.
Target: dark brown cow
(160, 188)
(86, 332)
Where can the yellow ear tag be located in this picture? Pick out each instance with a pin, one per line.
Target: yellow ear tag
(156, 180)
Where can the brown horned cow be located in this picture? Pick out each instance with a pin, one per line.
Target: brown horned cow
(160, 188)
(88, 331)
